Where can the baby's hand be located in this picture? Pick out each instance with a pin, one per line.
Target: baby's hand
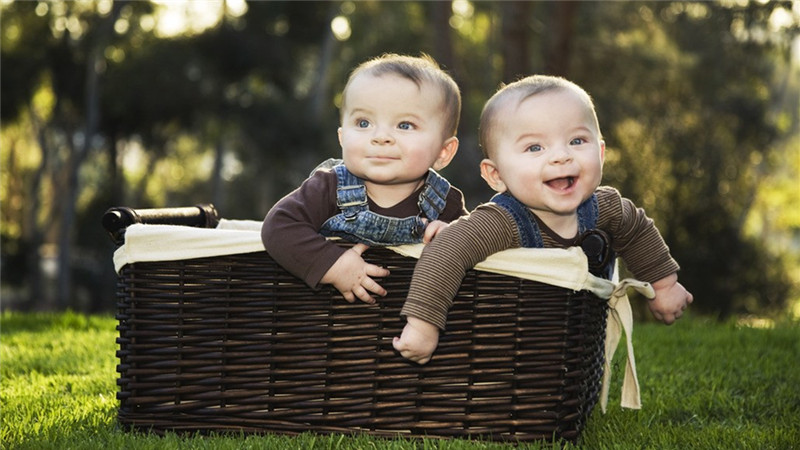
(670, 300)
(432, 229)
(418, 340)
(351, 276)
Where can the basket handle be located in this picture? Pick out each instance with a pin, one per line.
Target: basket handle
(118, 218)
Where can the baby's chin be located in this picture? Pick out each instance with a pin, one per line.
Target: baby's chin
(563, 206)
(385, 175)
(394, 182)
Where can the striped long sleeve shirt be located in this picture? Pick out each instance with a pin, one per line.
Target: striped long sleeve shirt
(490, 229)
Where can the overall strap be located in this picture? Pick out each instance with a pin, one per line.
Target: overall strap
(530, 235)
(588, 212)
(351, 193)
(327, 164)
(433, 197)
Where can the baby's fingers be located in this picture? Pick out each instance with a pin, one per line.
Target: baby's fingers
(407, 353)
(368, 284)
(359, 248)
(349, 296)
(433, 229)
(363, 295)
(377, 271)
(669, 318)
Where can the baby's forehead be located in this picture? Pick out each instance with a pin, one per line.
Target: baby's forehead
(391, 77)
(513, 103)
(422, 87)
(567, 91)
(520, 105)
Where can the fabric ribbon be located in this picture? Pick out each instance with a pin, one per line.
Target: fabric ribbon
(620, 319)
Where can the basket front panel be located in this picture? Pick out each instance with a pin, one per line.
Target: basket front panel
(235, 342)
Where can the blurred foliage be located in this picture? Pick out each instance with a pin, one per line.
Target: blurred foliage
(100, 106)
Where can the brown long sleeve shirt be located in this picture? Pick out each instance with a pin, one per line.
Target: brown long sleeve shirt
(290, 232)
(490, 229)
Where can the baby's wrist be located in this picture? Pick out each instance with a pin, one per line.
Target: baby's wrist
(423, 326)
(665, 283)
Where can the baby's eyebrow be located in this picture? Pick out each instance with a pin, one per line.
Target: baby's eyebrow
(582, 129)
(360, 111)
(405, 117)
(527, 136)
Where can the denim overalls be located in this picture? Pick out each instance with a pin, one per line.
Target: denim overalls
(356, 223)
(595, 243)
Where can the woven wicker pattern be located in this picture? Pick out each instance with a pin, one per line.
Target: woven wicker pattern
(236, 343)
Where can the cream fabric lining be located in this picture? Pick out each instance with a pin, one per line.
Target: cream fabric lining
(565, 268)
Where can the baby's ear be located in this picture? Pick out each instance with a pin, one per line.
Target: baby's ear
(602, 152)
(491, 175)
(446, 153)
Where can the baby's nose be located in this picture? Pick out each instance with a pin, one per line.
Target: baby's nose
(561, 154)
(382, 136)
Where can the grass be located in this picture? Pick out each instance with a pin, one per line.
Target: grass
(705, 385)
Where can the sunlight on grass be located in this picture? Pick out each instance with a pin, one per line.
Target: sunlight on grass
(794, 309)
(704, 385)
(58, 374)
(755, 322)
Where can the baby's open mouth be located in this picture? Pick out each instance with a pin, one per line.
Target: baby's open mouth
(561, 183)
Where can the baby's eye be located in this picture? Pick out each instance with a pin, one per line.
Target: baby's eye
(405, 126)
(577, 141)
(362, 123)
(534, 148)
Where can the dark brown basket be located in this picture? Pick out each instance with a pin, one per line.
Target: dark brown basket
(236, 343)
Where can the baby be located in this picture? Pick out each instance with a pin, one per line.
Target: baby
(399, 118)
(544, 156)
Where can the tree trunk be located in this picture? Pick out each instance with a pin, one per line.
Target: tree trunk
(558, 52)
(217, 185)
(31, 229)
(515, 38)
(319, 96)
(78, 154)
(442, 39)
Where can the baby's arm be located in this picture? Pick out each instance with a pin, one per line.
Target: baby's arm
(418, 340)
(637, 240)
(670, 300)
(440, 271)
(352, 276)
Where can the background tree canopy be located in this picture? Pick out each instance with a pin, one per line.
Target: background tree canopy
(150, 104)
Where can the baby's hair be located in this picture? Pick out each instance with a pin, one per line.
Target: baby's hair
(419, 69)
(518, 92)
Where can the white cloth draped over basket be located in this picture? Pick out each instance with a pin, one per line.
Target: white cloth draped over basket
(565, 268)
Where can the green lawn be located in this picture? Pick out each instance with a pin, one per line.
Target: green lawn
(704, 385)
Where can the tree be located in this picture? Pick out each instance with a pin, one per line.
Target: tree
(99, 109)
(61, 59)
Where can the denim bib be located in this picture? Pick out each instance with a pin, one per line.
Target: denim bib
(529, 234)
(356, 223)
(596, 244)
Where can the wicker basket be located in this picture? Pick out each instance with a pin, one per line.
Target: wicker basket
(236, 343)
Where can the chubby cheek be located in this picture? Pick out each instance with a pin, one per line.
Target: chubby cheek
(596, 172)
(350, 153)
(345, 139)
(423, 159)
(351, 145)
(522, 175)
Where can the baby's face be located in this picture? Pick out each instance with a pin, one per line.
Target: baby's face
(548, 152)
(392, 130)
